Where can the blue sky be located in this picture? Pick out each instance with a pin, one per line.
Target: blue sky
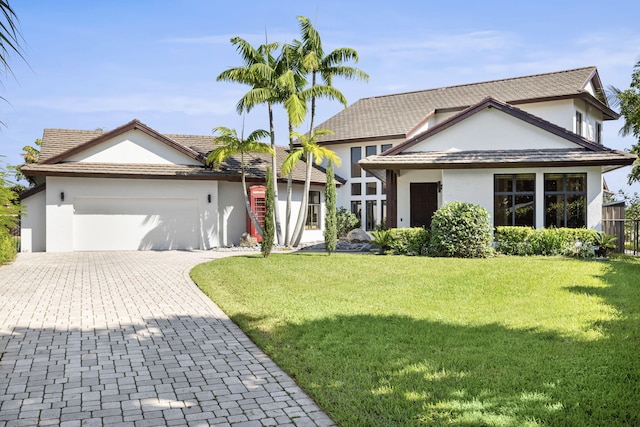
(101, 64)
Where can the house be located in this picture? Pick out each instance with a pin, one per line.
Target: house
(133, 188)
(528, 149)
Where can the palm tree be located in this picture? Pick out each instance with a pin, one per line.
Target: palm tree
(232, 145)
(314, 61)
(258, 71)
(310, 149)
(9, 35)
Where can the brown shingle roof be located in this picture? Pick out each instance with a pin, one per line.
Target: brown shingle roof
(395, 115)
(56, 143)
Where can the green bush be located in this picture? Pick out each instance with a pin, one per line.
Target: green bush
(346, 221)
(7, 246)
(409, 241)
(577, 242)
(462, 230)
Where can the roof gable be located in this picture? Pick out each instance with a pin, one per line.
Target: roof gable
(565, 139)
(133, 142)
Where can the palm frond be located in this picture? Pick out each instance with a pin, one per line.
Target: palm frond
(292, 159)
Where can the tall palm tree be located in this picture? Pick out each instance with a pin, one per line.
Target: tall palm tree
(230, 145)
(258, 71)
(309, 149)
(315, 62)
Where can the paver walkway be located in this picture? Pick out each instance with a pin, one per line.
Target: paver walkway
(126, 338)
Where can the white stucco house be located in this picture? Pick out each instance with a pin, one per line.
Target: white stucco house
(528, 149)
(133, 188)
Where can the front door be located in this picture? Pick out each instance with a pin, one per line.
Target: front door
(424, 203)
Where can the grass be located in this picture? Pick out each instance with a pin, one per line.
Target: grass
(401, 341)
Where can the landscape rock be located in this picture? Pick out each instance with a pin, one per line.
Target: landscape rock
(247, 240)
(358, 235)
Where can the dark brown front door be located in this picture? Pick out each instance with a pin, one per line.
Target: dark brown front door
(424, 202)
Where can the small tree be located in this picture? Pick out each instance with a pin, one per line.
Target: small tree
(269, 221)
(462, 230)
(231, 144)
(330, 218)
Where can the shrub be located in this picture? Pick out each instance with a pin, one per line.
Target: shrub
(409, 241)
(330, 219)
(577, 242)
(7, 246)
(382, 238)
(346, 221)
(268, 231)
(461, 229)
(514, 240)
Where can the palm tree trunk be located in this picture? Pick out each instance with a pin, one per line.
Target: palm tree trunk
(302, 215)
(289, 191)
(253, 218)
(274, 171)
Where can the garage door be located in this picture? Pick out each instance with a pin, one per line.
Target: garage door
(135, 224)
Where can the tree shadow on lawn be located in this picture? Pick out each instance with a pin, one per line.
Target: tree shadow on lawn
(395, 370)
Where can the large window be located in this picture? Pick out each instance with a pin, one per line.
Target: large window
(514, 200)
(385, 147)
(372, 188)
(356, 209)
(370, 150)
(372, 207)
(313, 212)
(565, 200)
(599, 132)
(356, 188)
(356, 155)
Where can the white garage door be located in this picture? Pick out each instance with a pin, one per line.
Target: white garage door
(135, 224)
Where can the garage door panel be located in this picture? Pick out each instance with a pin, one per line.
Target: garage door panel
(134, 224)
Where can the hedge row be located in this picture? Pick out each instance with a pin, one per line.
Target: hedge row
(577, 242)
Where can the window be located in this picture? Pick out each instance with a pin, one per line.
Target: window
(313, 212)
(356, 155)
(599, 132)
(385, 147)
(356, 209)
(371, 214)
(383, 216)
(371, 188)
(356, 189)
(384, 188)
(370, 151)
(514, 200)
(579, 123)
(565, 200)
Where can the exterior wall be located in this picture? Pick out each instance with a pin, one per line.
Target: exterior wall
(344, 196)
(133, 147)
(33, 223)
(560, 113)
(491, 129)
(477, 186)
(233, 215)
(60, 213)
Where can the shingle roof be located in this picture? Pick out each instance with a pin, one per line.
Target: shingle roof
(57, 142)
(395, 115)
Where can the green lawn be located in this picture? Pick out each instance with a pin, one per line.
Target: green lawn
(400, 341)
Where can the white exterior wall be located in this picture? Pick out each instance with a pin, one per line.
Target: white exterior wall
(60, 214)
(491, 129)
(560, 113)
(33, 223)
(477, 186)
(233, 214)
(133, 147)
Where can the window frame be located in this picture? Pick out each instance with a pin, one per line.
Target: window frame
(313, 206)
(566, 194)
(579, 123)
(356, 170)
(513, 194)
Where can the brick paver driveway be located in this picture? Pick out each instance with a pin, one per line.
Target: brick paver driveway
(126, 338)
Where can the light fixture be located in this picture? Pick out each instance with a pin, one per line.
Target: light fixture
(209, 198)
(62, 196)
(439, 186)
